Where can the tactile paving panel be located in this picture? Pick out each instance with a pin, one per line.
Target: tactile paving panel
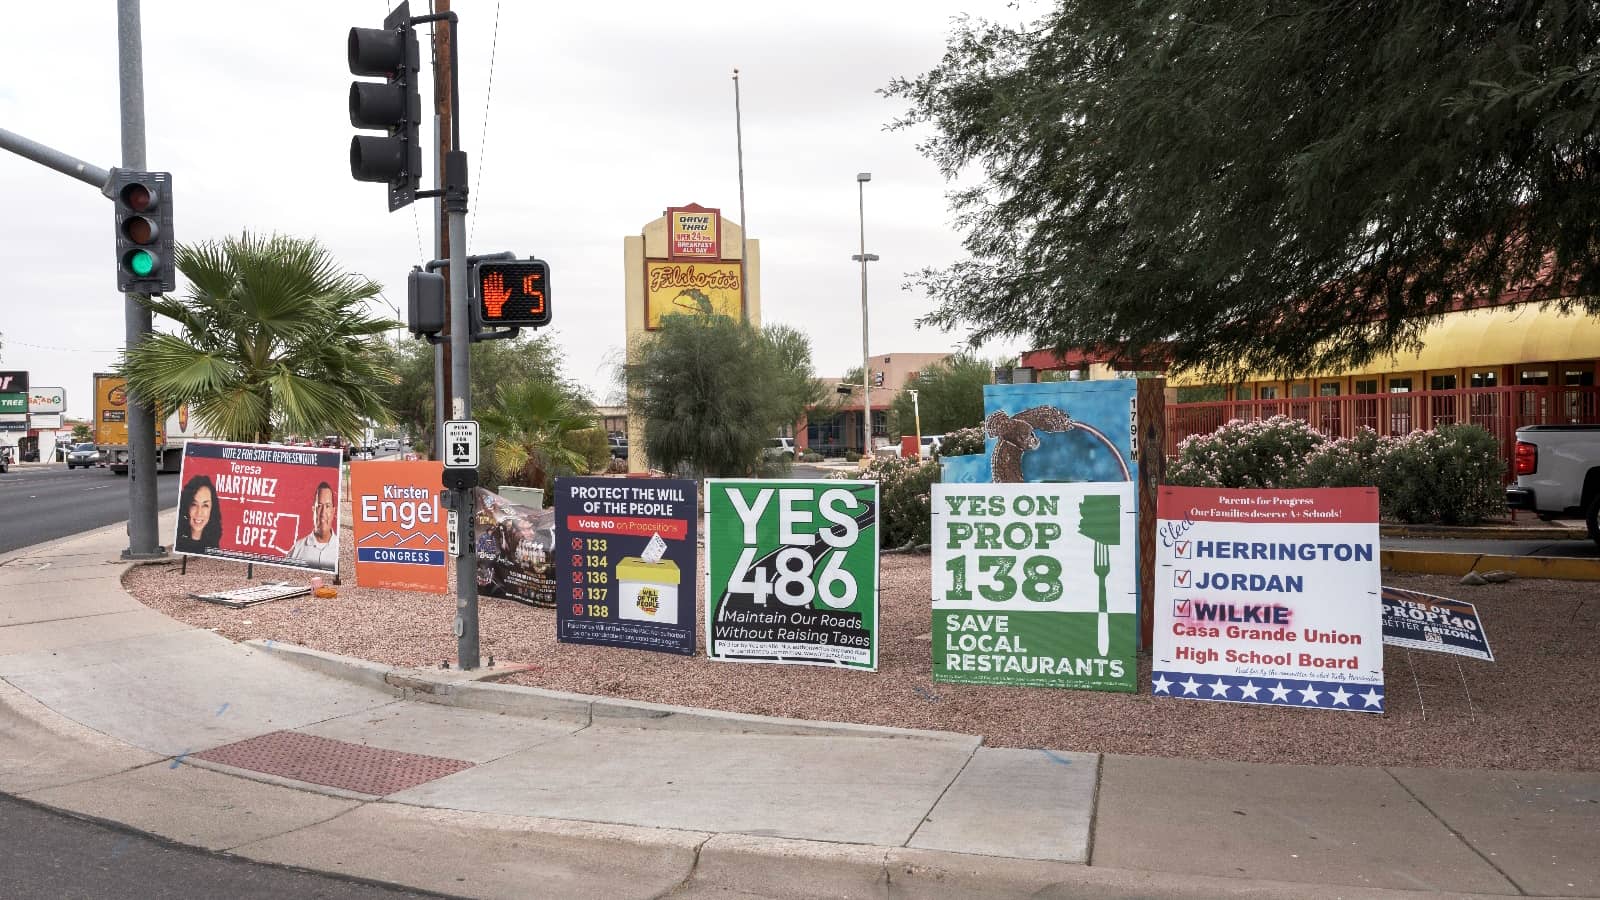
(320, 760)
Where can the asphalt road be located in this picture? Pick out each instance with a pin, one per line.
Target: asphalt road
(42, 503)
(46, 854)
(1583, 549)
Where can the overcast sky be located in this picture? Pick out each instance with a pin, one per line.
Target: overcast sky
(600, 116)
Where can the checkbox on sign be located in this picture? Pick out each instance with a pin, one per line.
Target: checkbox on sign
(1182, 578)
(1180, 609)
(1182, 549)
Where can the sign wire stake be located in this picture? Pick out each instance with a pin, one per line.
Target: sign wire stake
(1418, 684)
(1472, 714)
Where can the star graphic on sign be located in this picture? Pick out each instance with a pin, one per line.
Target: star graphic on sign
(1160, 685)
(1219, 689)
(1309, 694)
(1372, 697)
(1341, 697)
(1280, 694)
(1248, 690)
(1191, 686)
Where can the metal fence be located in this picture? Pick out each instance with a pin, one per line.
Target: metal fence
(1500, 410)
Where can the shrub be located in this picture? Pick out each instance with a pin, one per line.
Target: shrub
(852, 456)
(1451, 476)
(904, 505)
(1347, 462)
(810, 456)
(1257, 454)
(592, 445)
(962, 442)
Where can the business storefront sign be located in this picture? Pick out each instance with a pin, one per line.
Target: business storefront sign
(694, 232)
(792, 572)
(260, 503)
(673, 288)
(1035, 585)
(514, 543)
(1270, 597)
(14, 382)
(13, 404)
(398, 525)
(46, 400)
(1419, 621)
(44, 421)
(625, 563)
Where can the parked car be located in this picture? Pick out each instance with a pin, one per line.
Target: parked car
(930, 445)
(5, 459)
(85, 455)
(1558, 473)
(389, 444)
(618, 445)
(779, 448)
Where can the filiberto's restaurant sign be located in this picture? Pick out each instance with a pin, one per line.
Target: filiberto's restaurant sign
(694, 232)
(1269, 597)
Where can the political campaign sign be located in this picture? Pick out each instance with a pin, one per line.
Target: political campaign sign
(625, 562)
(792, 572)
(1421, 621)
(1269, 596)
(260, 503)
(1035, 585)
(513, 543)
(398, 525)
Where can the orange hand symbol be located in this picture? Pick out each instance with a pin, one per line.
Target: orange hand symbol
(495, 294)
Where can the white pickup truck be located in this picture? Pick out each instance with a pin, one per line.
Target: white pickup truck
(1558, 473)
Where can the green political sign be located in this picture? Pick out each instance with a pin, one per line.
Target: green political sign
(792, 572)
(1034, 584)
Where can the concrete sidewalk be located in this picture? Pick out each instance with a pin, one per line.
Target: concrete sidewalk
(431, 780)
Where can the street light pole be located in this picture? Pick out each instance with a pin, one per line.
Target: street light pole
(916, 412)
(866, 372)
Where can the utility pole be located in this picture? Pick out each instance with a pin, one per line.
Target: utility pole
(143, 532)
(744, 228)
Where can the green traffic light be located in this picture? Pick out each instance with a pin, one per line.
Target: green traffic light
(141, 263)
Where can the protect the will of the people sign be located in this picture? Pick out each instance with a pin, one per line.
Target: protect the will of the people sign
(792, 572)
(1269, 596)
(1035, 584)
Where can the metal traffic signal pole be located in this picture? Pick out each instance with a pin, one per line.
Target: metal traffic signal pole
(143, 532)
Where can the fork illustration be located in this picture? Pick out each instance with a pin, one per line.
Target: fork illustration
(1102, 566)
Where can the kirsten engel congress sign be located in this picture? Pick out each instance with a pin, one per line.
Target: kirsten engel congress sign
(792, 572)
(1266, 596)
(1035, 584)
(399, 528)
(261, 503)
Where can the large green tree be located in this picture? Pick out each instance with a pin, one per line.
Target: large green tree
(533, 428)
(711, 391)
(949, 395)
(1257, 185)
(273, 337)
(495, 364)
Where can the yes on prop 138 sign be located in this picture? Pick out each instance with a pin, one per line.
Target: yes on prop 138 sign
(792, 572)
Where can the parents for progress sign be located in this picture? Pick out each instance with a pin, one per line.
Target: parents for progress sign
(1266, 596)
(260, 503)
(792, 572)
(625, 563)
(1035, 584)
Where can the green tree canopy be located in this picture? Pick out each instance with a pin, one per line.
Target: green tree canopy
(949, 395)
(712, 391)
(533, 426)
(1272, 186)
(273, 337)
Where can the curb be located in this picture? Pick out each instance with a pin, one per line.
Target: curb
(428, 686)
(1431, 562)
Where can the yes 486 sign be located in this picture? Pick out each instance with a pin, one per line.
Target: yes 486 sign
(792, 572)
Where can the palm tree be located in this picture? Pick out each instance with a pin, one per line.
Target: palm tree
(530, 425)
(273, 338)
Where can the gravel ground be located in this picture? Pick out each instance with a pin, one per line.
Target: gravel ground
(1535, 707)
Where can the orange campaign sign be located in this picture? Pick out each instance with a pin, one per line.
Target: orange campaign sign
(399, 526)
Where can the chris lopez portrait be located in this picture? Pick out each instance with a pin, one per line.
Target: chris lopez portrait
(320, 548)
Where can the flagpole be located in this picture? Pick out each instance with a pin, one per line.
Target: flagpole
(744, 261)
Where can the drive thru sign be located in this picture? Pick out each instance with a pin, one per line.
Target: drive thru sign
(461, 444)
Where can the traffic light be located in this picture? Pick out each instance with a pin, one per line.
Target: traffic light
(425, 302)
(394, 106)
(143, 203)
(513, 292)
